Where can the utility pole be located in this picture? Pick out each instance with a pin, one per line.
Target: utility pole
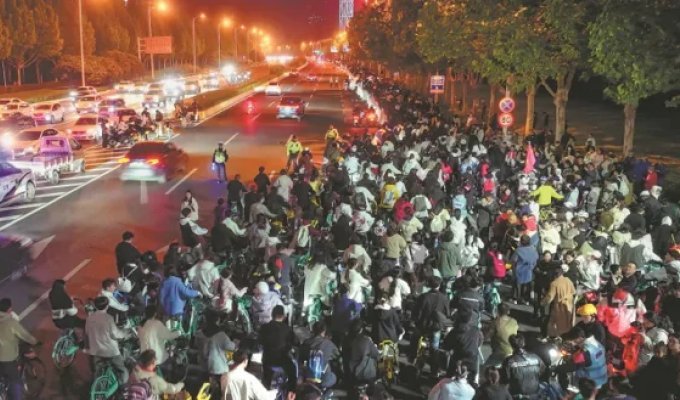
(147, 45)
(82, 45)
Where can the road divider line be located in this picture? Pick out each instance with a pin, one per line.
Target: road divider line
(31, 307)
(57, 186)
(56, 199)
(8, 218)
(256, 117)
(77, 177)
(143, 193)
(20, 207)
(179, 182)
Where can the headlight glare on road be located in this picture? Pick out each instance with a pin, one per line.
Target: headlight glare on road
(7, 140)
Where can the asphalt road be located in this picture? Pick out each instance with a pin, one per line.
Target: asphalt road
(80, 226)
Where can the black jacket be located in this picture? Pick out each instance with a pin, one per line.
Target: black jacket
(522, 372)
(470, 304)
(342, 232)
(360, 358)
(386, 325)
(277, 340)
(126, 253)
(432, 311)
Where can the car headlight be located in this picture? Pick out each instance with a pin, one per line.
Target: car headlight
(111, 109)
(73, 94)
(48, 117)
(7, 140)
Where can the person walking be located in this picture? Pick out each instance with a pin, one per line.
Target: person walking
(219, 159)
(560, 296)
(11, 333)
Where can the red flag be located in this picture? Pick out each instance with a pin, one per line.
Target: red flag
(530, 160)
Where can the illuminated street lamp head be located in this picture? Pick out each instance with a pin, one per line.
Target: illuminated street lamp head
(202, 16)
(226, 22)
(162, 6)
(254, 30)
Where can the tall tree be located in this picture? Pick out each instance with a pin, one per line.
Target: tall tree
(635, 45)
(24, 36)
(49, 44)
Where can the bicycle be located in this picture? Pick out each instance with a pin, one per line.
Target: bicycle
(242, 318)
(178, 360)
(106, 384)
(33, 375)
(315, 311)
(389, 356)
(421, 355)
(65, 349)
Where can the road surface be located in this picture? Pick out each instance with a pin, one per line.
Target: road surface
(79, 225)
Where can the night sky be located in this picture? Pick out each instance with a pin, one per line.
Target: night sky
(290, 20)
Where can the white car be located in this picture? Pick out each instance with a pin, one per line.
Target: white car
(273, 89)
(48, 113)
(15, 109)
(125, 86)
(4, 102)
(87, 127)
(141, 88)
(88, 104)
(28, 141)
(108, 106)
(15, 184)
(82, 91)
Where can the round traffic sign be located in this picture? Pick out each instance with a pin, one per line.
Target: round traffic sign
(505, 120)
(506, 105)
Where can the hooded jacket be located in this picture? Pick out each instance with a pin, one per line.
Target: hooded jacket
(174, 295)
(386, 325)
(263, 304)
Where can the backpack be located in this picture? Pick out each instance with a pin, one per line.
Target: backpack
(140, 390)
(316, 366)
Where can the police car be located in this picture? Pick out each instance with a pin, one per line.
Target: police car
(16, 184)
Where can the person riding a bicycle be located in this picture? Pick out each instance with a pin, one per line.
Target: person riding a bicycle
(102, 338)
(12, 333)
(318, 355)
(146, 371)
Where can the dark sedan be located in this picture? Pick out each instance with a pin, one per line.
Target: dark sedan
(153, 161)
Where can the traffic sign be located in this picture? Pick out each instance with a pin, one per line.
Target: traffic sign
(506, 105)
(505, 120)
(437, 83)
(156, 45)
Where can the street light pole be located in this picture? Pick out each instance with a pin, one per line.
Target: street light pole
(219, 45)
(150, 36)
(193, 40)
(82, 45)
(235, 44)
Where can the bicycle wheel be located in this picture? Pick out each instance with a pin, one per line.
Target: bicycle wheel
(103, 387)
(33, 374)
(64, 351)
(243, 322)
(178, 367)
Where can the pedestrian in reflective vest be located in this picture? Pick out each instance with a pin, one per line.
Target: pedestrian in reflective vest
(219, 160)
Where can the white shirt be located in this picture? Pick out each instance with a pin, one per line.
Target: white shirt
(358, 252)
(363, 221)
(192, 205)
(242, 385)
(233, 226)
(153, 335)
(113, 301)
(316, 279)
(283, 185)
(356, 284)
(205, 275)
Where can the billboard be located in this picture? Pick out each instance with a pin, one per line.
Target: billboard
(155, 45)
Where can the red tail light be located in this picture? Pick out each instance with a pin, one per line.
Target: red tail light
(153, 161)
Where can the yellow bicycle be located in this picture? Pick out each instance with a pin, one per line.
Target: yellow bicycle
(389, 361)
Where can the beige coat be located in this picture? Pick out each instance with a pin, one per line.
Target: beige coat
(561, 298)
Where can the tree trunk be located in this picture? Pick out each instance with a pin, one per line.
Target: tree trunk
(560, 101)
(18, 74)
(453, 94)
(4, 75)
(492, 102)
(531, 100)
(629, 112)
(464, 84)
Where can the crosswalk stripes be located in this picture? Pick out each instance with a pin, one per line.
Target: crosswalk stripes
(97, 162)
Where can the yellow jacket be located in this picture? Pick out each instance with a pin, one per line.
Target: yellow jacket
(389, 195)
(293, 147)
(332, 134)
(545, 194)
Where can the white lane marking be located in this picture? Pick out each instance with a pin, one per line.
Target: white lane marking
(179, 182)
(20, 207)
(60, 185)
(231, 138)
(100, 167)
(143, 193)
(9, 218)
(40, 196)
(272, 103)
(81, 177)
(44, 296)
(172, 137)
(256, 117)
(56, 199)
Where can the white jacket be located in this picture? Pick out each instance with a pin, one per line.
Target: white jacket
(113, 302)
(358, 252)
(316, 279)
(205, 276)
(153, 335)
(192, 205)
(356, 283)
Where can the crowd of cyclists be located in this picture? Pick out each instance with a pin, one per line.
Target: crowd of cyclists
(395, 258)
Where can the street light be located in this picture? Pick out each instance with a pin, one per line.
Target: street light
(161, 6)
(193, 35)
(226, 23)
(82, 45)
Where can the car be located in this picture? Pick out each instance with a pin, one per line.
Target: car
(27, 141)
(291, 107)
(108, 106)
(141, 88)
(87, 127)
(15, 109)
(48, 113)
(125, 86)
(192, 87)
(152, 161)
(17, 122)
(312, 78)
(124, 114)
(82, 91)
(16, 253)
(154, 98)
(273, 89)
(210, 81)
(16, 184)
(88, 104)
(5, 101)
(294, 74)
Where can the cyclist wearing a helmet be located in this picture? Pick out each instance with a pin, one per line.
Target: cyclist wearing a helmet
(589, 323)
